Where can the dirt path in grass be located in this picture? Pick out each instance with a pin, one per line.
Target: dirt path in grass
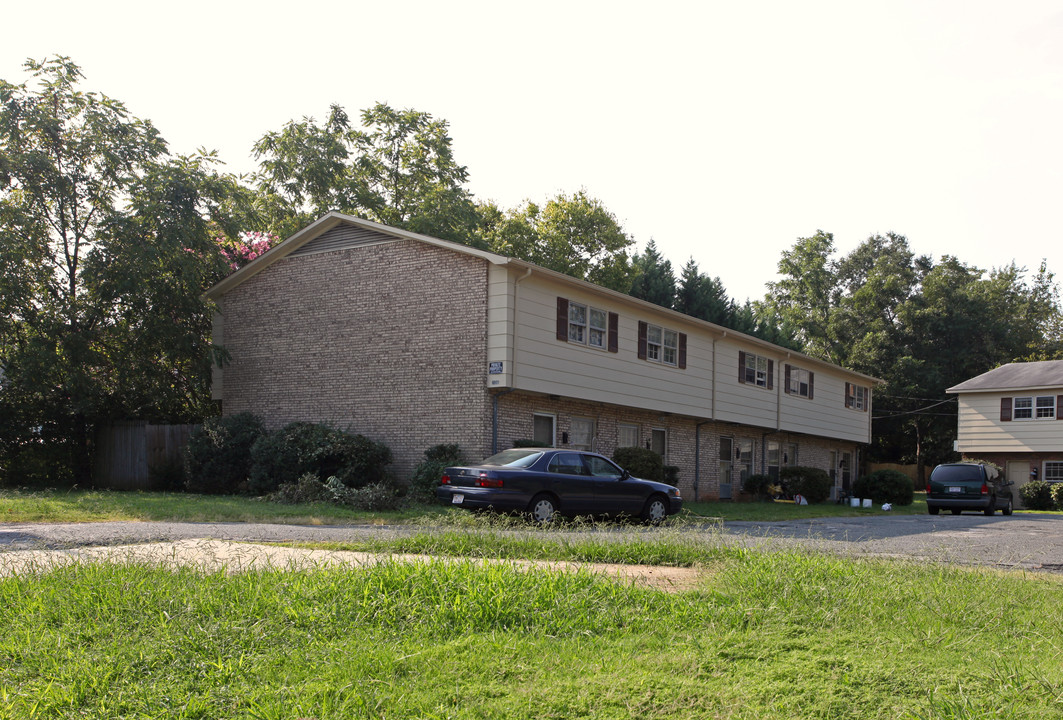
(220, 555)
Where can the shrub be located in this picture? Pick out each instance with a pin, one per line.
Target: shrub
(526, 442)
(671, 474)
(885, 486)
(640, 462)
(1036, 495)
(168, 474)
(1057, 495)
(308, 488)
(813, 484)
(426, 475)
(375, 497)
(758, 486)
(218, 455)
(302, 447)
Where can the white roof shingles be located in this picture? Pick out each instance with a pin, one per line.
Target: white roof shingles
(1015, 376)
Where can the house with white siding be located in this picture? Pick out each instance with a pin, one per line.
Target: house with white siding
(1011, 416)
(413, 341)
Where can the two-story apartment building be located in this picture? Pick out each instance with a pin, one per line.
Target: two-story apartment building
(412, 341)
(1011, 417)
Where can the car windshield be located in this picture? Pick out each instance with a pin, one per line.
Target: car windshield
(514, 458)
(957, 473)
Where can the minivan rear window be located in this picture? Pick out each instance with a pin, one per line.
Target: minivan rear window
(957, 473)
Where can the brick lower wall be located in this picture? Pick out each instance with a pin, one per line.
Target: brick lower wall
(516, 411)
(387, 340)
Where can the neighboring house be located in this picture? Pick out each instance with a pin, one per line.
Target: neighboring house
(1011, 416)
(415, 341)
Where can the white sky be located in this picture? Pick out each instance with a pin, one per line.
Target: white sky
(723, 130)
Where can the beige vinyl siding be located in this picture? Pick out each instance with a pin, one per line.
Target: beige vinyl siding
(501, 299)
(981, 430)
(551, 366)
(825, 414)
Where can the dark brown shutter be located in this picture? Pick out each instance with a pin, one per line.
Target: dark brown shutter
(614, 332)
(741, 366)
(642, 340)
(562, 319)
(771, 374)
(1059, 407)
(848, 395)
(811, 384)
(786, 378)
(682, 351)
(1005, 409)
(866, 393)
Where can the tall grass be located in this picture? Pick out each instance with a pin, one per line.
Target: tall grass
(765, 635)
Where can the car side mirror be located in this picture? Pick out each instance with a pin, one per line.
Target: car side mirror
(624, 475)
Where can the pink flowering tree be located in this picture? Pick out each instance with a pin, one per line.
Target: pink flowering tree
(245, 247)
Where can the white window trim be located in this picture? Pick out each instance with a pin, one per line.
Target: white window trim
(1015, 408)
(1037, 407)
(760, 376)
(795, 380)
(588, 326)
(664, 456)
(1044, 470)
(594, 432)
(553, 418)
(633, 426)
(661, 348)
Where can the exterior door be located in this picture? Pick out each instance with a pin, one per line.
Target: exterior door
(1018, 473)
(611, 494)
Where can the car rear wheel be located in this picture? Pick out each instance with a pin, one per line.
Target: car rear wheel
(655, 510)
(1007, 508)
(991, 510)
(933, 510)
(542, 509)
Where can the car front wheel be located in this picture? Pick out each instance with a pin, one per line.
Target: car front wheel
(655, 510)
(543, 509)
(1007, 508)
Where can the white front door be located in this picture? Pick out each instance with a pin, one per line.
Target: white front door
(1018, 473)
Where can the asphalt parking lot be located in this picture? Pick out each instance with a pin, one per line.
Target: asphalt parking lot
(1024, 540)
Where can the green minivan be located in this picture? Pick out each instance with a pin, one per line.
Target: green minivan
(968, 486)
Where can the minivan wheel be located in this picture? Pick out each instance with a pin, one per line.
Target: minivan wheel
(933, 510)
(992, 509)
(1007, 508)
(542, 509)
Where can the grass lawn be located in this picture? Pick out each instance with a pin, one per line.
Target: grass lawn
(765, 635)
(102, 505)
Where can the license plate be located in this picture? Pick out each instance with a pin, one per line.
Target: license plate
(457, 499)
(955, 489)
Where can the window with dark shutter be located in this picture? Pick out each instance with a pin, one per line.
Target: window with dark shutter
(771, 374)
(1059, 407)
(682, 351)
(642, 340)
(811, 385)
(742, 366)
(1005, 409)
(614, 332)
(786, 378)
(848, 395)
(562, 319)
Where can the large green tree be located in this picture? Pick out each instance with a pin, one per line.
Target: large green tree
(396, 168)
(572, 234)
(654, 279)
(107, 243)
(921, 327)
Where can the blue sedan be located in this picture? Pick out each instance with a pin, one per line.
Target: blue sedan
(545, 482)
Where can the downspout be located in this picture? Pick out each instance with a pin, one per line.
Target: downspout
(513, 368)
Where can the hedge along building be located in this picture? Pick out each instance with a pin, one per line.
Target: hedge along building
(413, 341)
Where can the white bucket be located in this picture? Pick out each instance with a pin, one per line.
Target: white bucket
(854, 502)
(867, 502)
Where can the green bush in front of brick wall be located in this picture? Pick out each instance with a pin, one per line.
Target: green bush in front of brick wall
(813, 484)
(426, 475)
(640, 462)
(302, 447)
(1037, 495)
(1057, 495)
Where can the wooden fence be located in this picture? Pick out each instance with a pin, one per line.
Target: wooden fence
(135, 455)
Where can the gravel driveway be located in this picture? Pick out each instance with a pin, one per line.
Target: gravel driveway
(1027, 540)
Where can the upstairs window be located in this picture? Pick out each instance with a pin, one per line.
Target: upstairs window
(756, 370)
(799, 382)
(857, 396)
(661, 345)
(1042, 407)
(587, 325)
(1046, 406)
